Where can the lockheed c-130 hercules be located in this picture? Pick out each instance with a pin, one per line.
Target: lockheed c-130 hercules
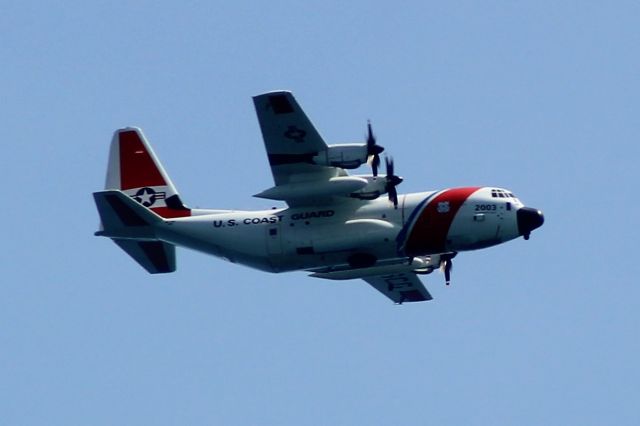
(336, 226)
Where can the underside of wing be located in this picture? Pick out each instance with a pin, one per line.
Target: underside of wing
(291, 139)
(305, 169)
(395, 278)
(298, 156)
(400, 287)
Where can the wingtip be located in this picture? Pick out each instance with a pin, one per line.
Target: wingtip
(273, 92)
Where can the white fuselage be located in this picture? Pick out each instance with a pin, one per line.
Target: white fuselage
(352, 231)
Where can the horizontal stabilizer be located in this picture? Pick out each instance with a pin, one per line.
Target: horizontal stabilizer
(156, 257)
(131, 226)
(123, 217)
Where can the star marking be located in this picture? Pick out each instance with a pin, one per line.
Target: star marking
(145, 196)
(296, 134)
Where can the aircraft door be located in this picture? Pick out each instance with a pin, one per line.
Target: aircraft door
(274, 240)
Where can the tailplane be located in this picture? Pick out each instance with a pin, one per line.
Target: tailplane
(132, 227)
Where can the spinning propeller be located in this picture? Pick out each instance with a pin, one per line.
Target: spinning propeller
(392, 182)
(446, 264)
(373, 157)
(373, 150)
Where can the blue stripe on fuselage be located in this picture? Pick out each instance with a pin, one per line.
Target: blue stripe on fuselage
(402, 235)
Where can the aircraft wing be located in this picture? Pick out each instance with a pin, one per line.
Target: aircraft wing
(291, 141)
(400, 287)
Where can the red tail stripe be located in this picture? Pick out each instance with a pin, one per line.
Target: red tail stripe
(169, 213)
(137, 168)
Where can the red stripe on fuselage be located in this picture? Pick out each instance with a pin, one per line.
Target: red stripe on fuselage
(428, 235)
(137, 168)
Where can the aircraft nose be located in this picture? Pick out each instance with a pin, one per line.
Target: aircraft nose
(528, 220)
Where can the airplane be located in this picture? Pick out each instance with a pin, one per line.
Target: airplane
(335, 225)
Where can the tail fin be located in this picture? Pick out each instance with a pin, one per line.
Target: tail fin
(135, 170)
(139, 194)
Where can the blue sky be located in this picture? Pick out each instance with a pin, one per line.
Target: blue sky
(539, 97)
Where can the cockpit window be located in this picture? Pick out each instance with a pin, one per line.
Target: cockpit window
(501, 193)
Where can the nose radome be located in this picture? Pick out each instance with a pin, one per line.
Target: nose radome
(528, 220)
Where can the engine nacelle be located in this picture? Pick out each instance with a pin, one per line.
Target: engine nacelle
(347, 156)
(375, 187)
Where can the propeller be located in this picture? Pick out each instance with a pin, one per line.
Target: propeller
(373, 150)
(446, 264)
(392, 182)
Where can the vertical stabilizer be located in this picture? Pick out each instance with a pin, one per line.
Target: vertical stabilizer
(135, 170)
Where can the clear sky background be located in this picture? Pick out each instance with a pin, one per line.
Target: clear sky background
(541, 97)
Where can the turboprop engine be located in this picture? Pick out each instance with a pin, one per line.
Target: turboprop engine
(352, 155)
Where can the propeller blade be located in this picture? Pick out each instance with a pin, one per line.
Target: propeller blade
(373, 150)
(392, 182)
(393, 196)
(371, 139)
(375, 162)
(389, 165)
(448, 264)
